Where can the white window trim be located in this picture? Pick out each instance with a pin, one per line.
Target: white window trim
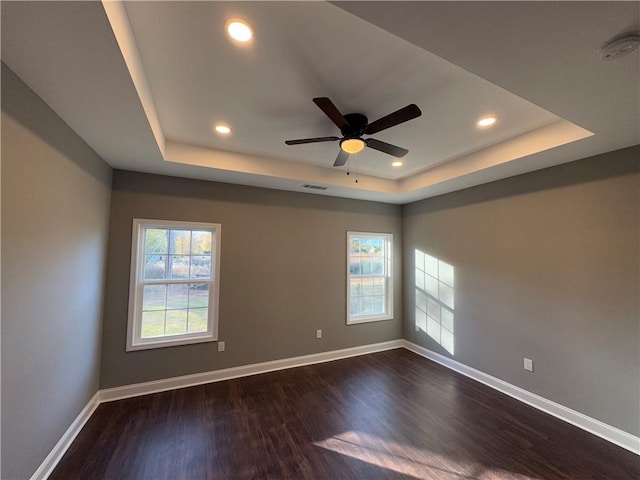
(134, 340)
(388, 254)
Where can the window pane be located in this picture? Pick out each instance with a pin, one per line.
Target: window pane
(152, 324)
(356, 287)
(198, 320)
(155, 241)
(177, 296)
(365, 245)
(176, 322)
(179, 266)
(155, 267)
(200, 243)
(153, 297)
(355, 266)
(200, 266)
(198, 295)
(367, 286)
(354, 246)
(354, 306)
(377, 266)
(365, 261)
(180, 243)
(366, 305)
(379, 286)
(377, 305)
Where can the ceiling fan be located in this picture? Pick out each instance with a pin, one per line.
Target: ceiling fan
(354, 125)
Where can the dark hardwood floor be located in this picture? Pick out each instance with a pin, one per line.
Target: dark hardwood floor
(389, 415)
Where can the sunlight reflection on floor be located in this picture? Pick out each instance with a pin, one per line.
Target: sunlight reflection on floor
(411, 461)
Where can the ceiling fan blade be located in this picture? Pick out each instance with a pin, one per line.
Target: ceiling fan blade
(341, 159)
(311, 140)
(331, 111)
(400, 116)
(386, 147)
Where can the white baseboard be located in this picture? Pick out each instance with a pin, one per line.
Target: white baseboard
(110, 394)
(146, 388)
(607, 432)
(49, 463)
(602, 430)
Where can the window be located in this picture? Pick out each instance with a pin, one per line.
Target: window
(173, 292)
(369, 271)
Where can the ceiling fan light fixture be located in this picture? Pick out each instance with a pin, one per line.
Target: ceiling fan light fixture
(239, 30)
(352, 145)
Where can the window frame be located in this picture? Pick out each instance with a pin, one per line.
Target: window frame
(387, 275)
(137, 283)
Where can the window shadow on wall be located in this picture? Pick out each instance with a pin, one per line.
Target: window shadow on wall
(435, 299)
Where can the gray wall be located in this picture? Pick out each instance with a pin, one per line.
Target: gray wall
(55, 212)
(546, 267)
(283, 273)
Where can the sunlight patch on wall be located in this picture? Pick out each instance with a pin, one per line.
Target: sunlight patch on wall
(434, 299)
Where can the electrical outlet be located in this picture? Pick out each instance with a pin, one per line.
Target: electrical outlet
(221, 346)
(528, 364)
(318, 333)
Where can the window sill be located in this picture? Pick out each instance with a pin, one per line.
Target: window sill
(170, 342)
(368, 319)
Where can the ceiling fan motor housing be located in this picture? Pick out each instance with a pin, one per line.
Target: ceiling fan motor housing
(354, 125)
(357, 124)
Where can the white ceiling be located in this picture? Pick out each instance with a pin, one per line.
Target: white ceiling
(143, 82)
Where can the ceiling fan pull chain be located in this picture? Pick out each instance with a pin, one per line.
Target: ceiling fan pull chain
(356, 168)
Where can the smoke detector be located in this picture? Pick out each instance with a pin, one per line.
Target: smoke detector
(620, 45)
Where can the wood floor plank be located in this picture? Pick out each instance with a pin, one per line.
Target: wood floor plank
(389, 415)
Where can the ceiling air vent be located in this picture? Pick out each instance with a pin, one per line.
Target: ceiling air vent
(314, 187)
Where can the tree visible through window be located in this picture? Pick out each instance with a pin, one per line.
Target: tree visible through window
(174, 283)
(370, 279)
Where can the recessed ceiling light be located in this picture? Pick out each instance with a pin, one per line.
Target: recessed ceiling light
(222, 129)
(397, 163)
(487, 121)
(239, 30)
